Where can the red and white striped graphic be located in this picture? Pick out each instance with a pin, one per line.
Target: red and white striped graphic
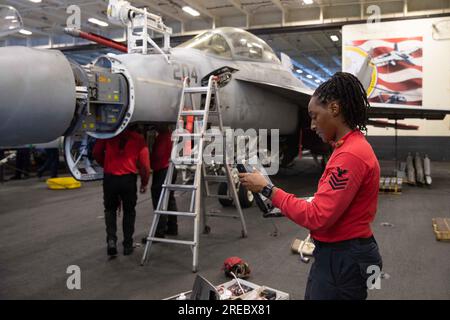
(399, 69)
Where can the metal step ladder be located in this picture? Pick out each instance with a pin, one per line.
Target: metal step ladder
(199, 189)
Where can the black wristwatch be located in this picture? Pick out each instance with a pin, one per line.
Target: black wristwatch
(267, 191)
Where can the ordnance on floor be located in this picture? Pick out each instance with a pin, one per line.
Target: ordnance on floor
(410, 169)
(391, 185)
(427, 170)
(419, 169)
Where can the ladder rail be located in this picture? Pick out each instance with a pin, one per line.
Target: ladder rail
(200, 188)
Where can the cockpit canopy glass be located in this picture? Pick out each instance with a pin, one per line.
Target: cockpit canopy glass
(233, 43)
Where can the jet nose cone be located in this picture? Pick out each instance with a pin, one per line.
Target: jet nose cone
(37, 95)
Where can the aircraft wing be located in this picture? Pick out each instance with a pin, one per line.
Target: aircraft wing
(382, 60)
(410, 51)
(398, 111)
(387, 124)
(377, 110)
(296, 94)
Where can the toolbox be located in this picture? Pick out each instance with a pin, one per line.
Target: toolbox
(231, 290)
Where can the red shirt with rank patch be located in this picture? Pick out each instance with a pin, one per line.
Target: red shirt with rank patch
(346, 199)
(126, 153)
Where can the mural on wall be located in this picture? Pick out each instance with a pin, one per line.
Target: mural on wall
(390, 69)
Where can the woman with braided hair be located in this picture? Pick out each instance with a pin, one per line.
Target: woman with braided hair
(347, 260)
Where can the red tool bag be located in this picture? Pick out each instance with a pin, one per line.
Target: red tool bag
(236, 265)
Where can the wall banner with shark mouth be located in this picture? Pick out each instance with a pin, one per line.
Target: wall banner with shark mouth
(390, 69)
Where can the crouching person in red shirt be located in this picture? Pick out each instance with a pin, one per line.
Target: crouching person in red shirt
(345, 203)
(122, 158)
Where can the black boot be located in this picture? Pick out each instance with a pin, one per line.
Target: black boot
(128, 250)
(112, 248)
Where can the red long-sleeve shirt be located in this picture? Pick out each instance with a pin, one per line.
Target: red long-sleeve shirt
(133, 158)
(161, 150)
(346, 199)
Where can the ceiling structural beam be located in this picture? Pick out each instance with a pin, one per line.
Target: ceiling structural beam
(305, 69)
(200, 8)
(279, 5)
(321, 65)
(321, 14)
(337, 61)
(161, 10)
(361, 10)
(203, 10)
(60, 19)
(238, 5)
(318, 45)
(60, 16)
(297, 64)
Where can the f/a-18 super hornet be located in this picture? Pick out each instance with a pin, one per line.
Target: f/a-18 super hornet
(44, 95)
(394, 56)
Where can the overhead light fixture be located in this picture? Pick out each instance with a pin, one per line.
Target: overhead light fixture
(26, 32)
(36, 1)
(98, 22)
(191, 11)
(11, 27)
(335, 38)
(317, 81)
(309, 76)
(10, 17)
(299, 71)
(14, 21)
(308, 1)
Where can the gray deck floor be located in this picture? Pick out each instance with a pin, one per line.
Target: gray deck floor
(44, 231)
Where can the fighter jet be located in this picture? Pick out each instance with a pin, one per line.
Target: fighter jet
(392, 57)
(44, 95)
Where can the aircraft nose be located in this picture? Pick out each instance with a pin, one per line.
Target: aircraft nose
(37, 94)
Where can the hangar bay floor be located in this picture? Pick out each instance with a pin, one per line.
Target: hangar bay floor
(45, 231)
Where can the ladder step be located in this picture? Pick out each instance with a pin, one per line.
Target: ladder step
(193, 113)
(196, 90)
(216, 178)
(187, 135)
(188, 243)
(185, 160)
(179, 187)
(175, 213)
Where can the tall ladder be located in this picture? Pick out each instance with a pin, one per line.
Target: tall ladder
(199, 189)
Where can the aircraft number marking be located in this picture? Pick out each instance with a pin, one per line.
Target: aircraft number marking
(180, 71)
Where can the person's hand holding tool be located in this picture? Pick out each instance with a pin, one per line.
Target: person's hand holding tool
(253, 181)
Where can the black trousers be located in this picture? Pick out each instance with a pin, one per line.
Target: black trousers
(116, 188)
(340, 270)
(23, 162)
(165, 222)
(51, 163)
